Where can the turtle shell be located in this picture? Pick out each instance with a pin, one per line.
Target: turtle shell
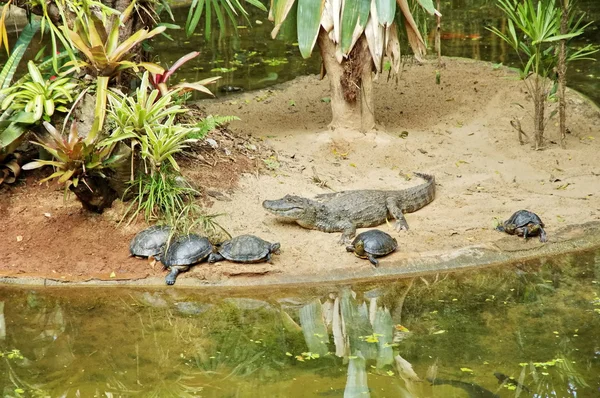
(522, 218)
(149, 242)
(376, 242)
(187, 250)
(245, 249)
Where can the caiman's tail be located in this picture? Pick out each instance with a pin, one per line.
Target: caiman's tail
(420, 196)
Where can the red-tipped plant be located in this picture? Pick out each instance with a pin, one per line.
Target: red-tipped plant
(159, 80)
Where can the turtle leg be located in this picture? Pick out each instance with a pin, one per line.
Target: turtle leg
(268, 258)
(214, 257)
(170, 279)
(396, 212)
(543, 237)
(525, 232)
(373, 260)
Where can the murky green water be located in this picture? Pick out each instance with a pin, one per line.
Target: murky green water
(537, 322)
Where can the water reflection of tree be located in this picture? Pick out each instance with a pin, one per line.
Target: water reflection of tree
(370, 335)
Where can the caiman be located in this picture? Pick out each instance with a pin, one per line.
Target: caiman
(347, 210)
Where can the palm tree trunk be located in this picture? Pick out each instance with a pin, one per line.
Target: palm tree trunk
(351, 82)
(562, 71)
(538, 116)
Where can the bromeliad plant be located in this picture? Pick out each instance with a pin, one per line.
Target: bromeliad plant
(147, 122)
(159, 80)
(150, 122)
(106, 56)
(131, 114)
(74, 158)
(39, 96)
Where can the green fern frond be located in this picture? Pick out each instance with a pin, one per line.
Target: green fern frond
(210, 123)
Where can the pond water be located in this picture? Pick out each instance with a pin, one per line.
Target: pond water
(253, 60)
(452, 335)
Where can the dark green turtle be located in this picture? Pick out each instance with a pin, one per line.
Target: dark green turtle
(230, 89)
(524, 223)
(149, 242)
(183, 252)
(371, 244)
(245, 249)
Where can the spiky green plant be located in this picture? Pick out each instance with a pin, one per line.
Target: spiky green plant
(38, 95)
(534, 33)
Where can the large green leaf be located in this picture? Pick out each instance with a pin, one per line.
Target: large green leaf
(350, 13)
(280, 10)
(428, 6)
(386, 11)
(412, 31)
(309, 22)
(289, 28)
(12, 134)
(376, 37)
(21, 45)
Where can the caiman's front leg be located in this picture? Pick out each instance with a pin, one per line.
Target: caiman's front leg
(348, 231)
(396, 212)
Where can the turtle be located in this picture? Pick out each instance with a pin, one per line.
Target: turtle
(183, 252)
(372, 243)
(524, 223)
(245, 249)
(150, 242)
(230, 89)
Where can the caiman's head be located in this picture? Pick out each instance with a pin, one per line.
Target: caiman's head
(290, 207)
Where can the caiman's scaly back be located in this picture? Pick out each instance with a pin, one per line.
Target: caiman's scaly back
(345, 211)
(419, 196)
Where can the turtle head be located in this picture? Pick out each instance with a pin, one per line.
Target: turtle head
(275, 247)
(290, 206)
(359, 248)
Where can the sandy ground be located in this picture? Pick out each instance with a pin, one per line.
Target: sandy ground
(459, 131)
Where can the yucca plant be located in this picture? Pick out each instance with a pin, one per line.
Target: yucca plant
(354, 36)
(534, 33)
(38, 95)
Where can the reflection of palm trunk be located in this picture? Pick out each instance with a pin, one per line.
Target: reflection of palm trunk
(313, 327)
(2, 322)
(356, 382)
(340, 339)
